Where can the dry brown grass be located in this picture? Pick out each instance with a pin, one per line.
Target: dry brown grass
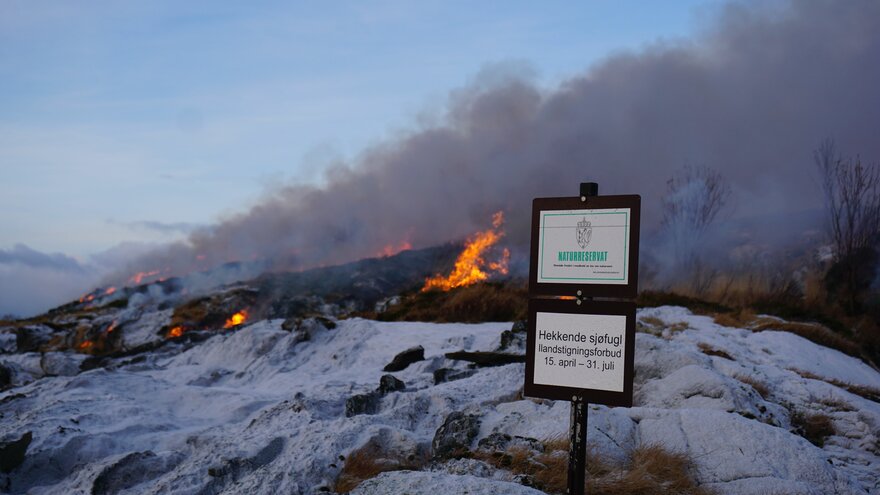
(815, 427)
(864, 391)
(547, 469)
(474, 303)
(651, 325)
(678, 326)
(369, 461)
(811, 331)
(652, 321)
(759, 386)
(650, 470)
(711, 351)
(742, 318)
(700, 306)
(835, 404)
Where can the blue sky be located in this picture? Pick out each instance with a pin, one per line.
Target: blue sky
(134, 121)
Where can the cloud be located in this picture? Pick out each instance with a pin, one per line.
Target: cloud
(22, 255)
(32, 282)
(27, 290)
(166, 228)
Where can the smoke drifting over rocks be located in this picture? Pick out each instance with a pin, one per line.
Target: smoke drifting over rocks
(751, 96)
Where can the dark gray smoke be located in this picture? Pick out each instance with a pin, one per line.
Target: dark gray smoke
(751, 96)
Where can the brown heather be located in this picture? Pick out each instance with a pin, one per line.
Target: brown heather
(369, 461)
(650, 470)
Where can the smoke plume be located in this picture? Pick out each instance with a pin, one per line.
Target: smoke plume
(751, 96)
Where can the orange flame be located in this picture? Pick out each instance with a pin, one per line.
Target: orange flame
(109, 291)
(390, 250)
(111, 327)
(471, 262)
(86, 345)
(138, 277)
(175, 332)
(236, 319)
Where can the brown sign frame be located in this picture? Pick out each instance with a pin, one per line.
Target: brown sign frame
(559, 392)
(627, 291)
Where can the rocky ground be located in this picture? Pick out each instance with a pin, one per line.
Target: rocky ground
(291, 407)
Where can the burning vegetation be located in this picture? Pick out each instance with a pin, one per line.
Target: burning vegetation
(201, 315)
(236, 319)
(139, 277)
(391, 249)
(471, 266)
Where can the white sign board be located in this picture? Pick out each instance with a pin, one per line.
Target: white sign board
(590, 246)
(580, 350)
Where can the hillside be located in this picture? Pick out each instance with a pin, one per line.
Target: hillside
(304, 406)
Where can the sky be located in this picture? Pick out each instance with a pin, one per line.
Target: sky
(127, 122)
(175, 137)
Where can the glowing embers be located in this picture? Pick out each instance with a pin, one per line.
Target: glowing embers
(175, 332)
(236, 319)
(471, 266)
(140, 277)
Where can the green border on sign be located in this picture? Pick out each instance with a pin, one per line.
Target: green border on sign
(625, 244)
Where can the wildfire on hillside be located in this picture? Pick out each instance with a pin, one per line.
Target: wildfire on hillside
(236, 319)
(139, 277)
(391, 249)
(175, 332)
(471, 266)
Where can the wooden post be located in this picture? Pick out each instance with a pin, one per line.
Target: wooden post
(577, 448)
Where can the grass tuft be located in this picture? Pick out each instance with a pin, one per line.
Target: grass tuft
(491, 301)
(649, 470)
(371, 460)
(711, 351)
(759, 386)
(864, 391)
(651, 299)
(815, 427)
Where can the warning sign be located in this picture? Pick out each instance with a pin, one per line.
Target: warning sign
(580, 350)
(584, 350)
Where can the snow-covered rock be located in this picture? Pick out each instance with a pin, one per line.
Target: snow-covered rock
(61, 363)
(262, 410)
(427, 483)
(8, 341)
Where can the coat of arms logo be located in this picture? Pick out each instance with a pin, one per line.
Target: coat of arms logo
(584, 233)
